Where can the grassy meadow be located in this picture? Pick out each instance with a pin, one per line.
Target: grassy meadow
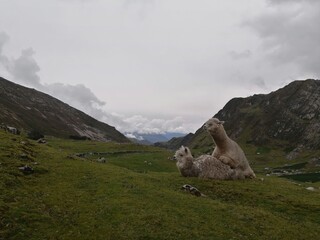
(137, 194)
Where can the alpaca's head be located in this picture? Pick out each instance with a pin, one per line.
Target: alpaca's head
(213, 125)
(182, 153)
(185, 163)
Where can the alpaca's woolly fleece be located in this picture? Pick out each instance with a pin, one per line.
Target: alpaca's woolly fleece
(205, 166)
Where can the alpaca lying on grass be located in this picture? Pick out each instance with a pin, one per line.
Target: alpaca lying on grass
(206, 166)
(227, 150)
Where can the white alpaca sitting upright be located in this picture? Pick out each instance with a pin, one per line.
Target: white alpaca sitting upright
(227, 150)
(206, 166)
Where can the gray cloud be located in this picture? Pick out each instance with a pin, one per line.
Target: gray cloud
(82, 1)
(78, 96)
(4, 38)
(141, 7)
(139, 3)
(145, 125)
(290, 34)
(240, 55)
(259, 81)
(290, 1)
(79, 93)
(25, 69)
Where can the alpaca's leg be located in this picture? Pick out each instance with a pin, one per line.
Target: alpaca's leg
(240, 174)
(228, 161)
(250, 174)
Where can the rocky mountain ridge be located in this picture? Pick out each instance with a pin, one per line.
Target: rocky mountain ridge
(288, 118)
(30, 109)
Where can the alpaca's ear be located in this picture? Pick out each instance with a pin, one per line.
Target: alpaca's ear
(221, 122)
(186, 150)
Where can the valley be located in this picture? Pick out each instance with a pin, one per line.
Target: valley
(136, 194)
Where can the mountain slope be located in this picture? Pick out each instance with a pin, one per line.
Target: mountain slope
(287, 118)
(176, 142)
(30, 109)
(137, 194)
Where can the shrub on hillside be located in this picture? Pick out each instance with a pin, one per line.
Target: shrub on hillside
(75, 137)
(35, 134)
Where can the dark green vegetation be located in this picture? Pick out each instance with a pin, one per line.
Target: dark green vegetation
(31, 110)
(136, 195)
(305, 177)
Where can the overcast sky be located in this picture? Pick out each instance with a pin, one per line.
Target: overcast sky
(158, 65)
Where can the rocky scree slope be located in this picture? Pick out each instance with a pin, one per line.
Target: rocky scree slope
(30, 109)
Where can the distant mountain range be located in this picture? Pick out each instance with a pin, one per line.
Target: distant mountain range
(288, 117)
(149, 139)
(30, 109)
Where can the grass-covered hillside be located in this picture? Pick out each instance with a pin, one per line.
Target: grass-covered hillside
(93, 190)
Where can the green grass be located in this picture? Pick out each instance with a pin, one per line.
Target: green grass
(68, 197)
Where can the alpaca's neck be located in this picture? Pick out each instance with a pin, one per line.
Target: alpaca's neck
(188, 161)
(220, 138)
(187, 167)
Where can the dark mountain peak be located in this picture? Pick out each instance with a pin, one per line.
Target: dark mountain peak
(290, 115)
(30, 109)
(176, 142)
